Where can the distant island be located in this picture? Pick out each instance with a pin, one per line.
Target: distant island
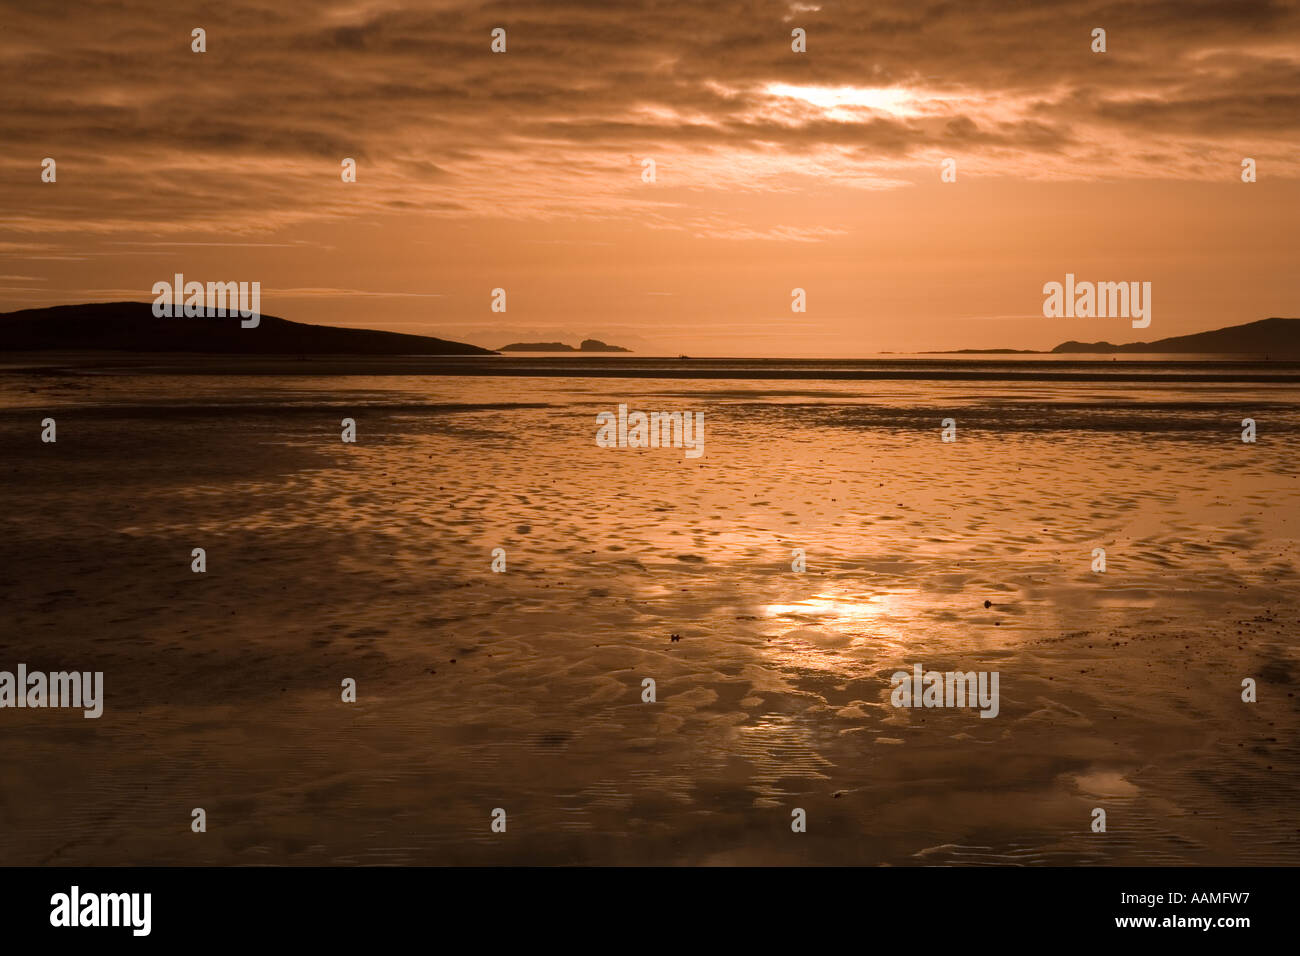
(1272, 337)
(132, 327)
(588, 345)
(988, 352)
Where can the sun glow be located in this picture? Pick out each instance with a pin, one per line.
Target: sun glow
(848, 100)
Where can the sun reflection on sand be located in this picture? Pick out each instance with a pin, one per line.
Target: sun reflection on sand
(841, 631)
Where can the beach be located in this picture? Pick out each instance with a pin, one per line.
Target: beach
(522, 689)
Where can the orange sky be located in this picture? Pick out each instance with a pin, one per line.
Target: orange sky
(775, 169)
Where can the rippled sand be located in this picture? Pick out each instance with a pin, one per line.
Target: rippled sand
(522, 690)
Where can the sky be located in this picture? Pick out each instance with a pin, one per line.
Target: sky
(774, 170)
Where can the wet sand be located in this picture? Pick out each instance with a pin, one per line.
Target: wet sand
(522, 690)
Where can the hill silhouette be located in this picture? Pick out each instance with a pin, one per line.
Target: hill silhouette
(1272, 336)
(132, 327)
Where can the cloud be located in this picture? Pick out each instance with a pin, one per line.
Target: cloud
(248, 137)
